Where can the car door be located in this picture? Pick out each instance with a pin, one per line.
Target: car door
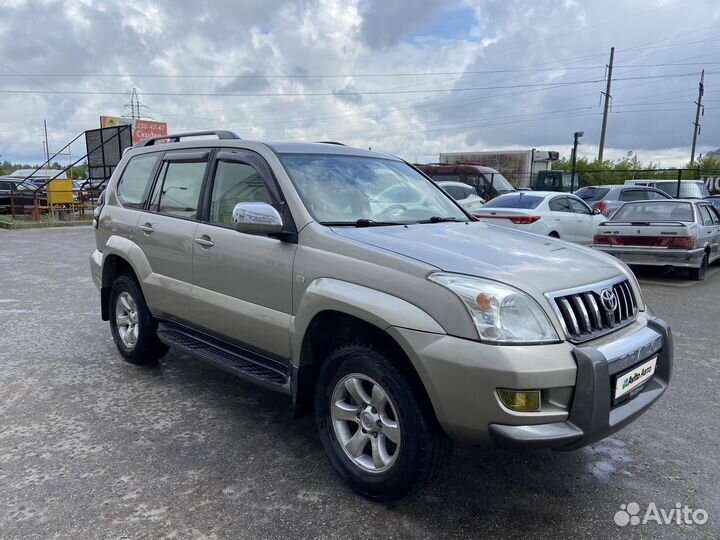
(242, 282)
(710, 224)
(586, 221)
(166, 231)
(564, 221)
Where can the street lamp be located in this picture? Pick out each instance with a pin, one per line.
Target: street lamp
(576, 136)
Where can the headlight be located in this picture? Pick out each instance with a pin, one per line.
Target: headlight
(501, 314)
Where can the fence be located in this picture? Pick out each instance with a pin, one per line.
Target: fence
(711, 177)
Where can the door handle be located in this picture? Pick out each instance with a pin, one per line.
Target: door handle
(147, 228)
(204, 241)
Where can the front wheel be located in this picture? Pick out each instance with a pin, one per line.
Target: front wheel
(373, 427)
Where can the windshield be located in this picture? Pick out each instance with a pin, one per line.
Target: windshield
(688, 190)
(515, 200)
(27, 186)
(499, 182)
(343, 190)
(591, 193)
(655, 211)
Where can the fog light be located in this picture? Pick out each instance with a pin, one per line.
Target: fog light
(520, 400)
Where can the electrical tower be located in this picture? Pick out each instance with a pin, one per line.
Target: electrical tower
(135, 106)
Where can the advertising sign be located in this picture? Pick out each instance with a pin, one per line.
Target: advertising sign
(141, 129)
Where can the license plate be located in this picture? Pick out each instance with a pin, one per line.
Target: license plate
(630, 380)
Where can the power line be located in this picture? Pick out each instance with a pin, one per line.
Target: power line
(348, 93)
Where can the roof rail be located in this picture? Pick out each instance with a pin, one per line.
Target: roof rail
(175, 137)
(331, 142)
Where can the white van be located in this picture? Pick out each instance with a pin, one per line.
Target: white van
(689, 189)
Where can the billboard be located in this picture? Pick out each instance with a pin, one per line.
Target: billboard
(105, 147)
(141, 129)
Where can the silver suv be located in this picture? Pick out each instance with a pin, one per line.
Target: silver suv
(400, 325)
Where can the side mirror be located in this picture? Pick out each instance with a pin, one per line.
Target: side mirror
(595, 211)
(256, 218)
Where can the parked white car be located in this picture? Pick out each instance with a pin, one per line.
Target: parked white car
(549, 213)
(465, 195)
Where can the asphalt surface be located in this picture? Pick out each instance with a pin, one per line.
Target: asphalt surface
(93, 447)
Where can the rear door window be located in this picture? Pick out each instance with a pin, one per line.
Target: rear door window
(707, 216)
(177, 190)
(133, 184)
(578, 207)
(560, 204)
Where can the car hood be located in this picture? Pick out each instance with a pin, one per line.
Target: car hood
(527, 261)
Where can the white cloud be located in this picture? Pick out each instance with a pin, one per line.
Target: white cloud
(475, 44)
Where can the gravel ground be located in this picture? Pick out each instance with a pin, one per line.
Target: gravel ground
(92, 447)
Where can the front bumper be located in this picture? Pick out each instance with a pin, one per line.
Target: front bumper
(576, 383)
(687, 258)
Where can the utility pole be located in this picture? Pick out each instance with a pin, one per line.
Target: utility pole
(607, 105)
(696, 129)
(576, 136)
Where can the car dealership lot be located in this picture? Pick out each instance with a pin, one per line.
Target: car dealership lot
(91, 446)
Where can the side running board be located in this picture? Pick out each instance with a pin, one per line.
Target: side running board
(236, 360)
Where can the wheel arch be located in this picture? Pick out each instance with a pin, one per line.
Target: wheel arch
(333, 312)
(120, 256)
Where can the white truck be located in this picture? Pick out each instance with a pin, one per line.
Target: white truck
(518, 166)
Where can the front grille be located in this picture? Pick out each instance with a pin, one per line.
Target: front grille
(586, 314)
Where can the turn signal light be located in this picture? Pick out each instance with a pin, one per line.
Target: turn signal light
(601, 239)
(520, 400)
(682, 242)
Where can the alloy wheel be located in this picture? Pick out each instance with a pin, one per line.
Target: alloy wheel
(126, 319)
(365, 423)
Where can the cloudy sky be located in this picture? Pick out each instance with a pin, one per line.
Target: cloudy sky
(411, 77)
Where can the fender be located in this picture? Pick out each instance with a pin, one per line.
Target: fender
(133, 255)
(378, 308)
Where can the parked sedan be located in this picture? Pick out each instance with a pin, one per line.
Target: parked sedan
(464, 194)
(549, 213)
(676, 233)
(609, 198)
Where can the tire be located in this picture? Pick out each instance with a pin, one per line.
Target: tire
(136, 341)
(554, 235)
(698, 274)
(407, 464)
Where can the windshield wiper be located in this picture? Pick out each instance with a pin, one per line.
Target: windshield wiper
(362, 222)
(438, 219)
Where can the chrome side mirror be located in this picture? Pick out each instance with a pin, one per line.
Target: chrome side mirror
(256, 218)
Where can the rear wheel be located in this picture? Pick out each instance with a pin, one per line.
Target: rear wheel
(554, 235)
(698, 274)
(133, 327)
(373, 427)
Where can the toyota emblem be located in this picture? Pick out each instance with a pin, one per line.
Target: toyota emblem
(609, 300)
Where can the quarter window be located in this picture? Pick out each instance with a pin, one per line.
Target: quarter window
(235, 183)
(134, 181)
